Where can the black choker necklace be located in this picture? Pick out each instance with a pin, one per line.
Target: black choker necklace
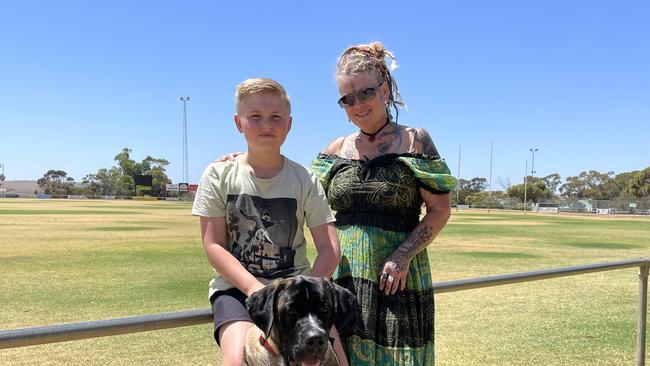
(371, 136)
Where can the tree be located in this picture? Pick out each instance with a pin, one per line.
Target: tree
(600, 186)
(102, 183)
(591, 184)
(56, 182)
(480, 199)
(126, 165)
(467, 188)
(504, 183)
(155, 168)
(535, 190)
(553, 182)
(477, 184)
(640, 184)
(573, 188)
(119, 180)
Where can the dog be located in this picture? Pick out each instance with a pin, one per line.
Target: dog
(292, 318)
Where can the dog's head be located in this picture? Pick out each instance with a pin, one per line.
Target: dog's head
(299, 312)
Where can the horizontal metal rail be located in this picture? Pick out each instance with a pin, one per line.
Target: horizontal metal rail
(102, 328)
(497, 280)
(74, 331)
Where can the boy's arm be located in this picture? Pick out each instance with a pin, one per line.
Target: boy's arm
(329, 252)
(327, 248)
(213, 233)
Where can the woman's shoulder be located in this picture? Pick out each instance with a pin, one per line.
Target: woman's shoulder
(335, 146)
(421, 141)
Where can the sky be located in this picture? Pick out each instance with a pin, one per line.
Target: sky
(489, 80)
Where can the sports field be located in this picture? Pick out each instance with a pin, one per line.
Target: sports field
(70, 261)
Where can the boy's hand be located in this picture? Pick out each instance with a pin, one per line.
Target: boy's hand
(228, 157)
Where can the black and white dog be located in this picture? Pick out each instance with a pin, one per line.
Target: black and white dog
(293, 317)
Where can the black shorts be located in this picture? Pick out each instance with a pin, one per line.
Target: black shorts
(228, 306)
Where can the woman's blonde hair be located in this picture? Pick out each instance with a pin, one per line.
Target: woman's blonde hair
(371, 58)
(260, 85)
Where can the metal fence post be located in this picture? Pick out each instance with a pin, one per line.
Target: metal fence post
(643, 310)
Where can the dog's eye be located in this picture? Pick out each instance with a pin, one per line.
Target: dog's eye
(323, 312)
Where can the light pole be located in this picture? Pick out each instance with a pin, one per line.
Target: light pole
(458, 180)
(490, 182)
(186, 174)
(525, 181)
(532, 166)
(2, 180)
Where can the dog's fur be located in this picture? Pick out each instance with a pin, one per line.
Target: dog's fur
(295, 316)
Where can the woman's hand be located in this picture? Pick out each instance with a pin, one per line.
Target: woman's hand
(394, 273)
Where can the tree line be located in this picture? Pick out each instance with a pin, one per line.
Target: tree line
(587, 185)
(119, 181)
(115, 181)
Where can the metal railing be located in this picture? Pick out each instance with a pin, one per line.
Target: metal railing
(74, 331)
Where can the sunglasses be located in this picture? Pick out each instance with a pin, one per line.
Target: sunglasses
(361, 96)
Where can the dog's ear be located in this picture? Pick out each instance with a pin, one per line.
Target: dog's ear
(345, 306)
(261, 307)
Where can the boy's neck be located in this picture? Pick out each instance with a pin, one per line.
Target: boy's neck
(264, 166)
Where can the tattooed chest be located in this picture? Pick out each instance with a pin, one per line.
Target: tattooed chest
(359, 148)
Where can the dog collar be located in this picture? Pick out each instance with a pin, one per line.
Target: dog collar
(265, 343)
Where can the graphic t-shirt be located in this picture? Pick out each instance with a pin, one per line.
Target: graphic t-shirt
(264, 217)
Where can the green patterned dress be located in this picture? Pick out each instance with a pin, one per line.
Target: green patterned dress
(378, 204)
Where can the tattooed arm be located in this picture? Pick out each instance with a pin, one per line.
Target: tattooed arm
(423, 143)
(438, 211)
(334, 148)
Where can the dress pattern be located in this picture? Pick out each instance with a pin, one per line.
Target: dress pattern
(377, 204)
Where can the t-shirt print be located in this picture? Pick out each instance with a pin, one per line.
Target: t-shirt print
(263, 231)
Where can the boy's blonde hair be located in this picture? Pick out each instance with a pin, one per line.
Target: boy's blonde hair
(260, 85)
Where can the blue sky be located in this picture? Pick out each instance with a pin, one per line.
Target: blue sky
(80, 80)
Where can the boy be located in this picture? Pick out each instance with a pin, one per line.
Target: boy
(252, 211)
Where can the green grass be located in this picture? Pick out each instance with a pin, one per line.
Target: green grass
(72, 261)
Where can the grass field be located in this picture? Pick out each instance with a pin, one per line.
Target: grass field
(72, 261)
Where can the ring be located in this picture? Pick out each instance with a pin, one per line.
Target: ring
(384, 274)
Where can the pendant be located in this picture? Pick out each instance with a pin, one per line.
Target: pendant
(371, 138)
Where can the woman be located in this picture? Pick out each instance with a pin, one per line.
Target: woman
(377, 179)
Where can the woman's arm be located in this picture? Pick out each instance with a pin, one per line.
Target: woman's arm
(327, 248)
(438, 211)
(438, 208)
(213, 233)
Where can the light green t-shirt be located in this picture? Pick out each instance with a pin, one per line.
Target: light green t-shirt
(264, 217)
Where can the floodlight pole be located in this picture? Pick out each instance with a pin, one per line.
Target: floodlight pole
(532, 166)
(186, 173)
(525, 181)
(458, 181)
(2, 181)
(490, 183)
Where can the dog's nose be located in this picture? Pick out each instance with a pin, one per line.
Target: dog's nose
(316, 340)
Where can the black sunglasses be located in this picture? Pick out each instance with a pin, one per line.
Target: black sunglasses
(361, 96)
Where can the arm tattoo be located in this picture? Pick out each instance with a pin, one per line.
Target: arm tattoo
(418, 240)
(348, 154)
(347, 151)
(427, 146)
